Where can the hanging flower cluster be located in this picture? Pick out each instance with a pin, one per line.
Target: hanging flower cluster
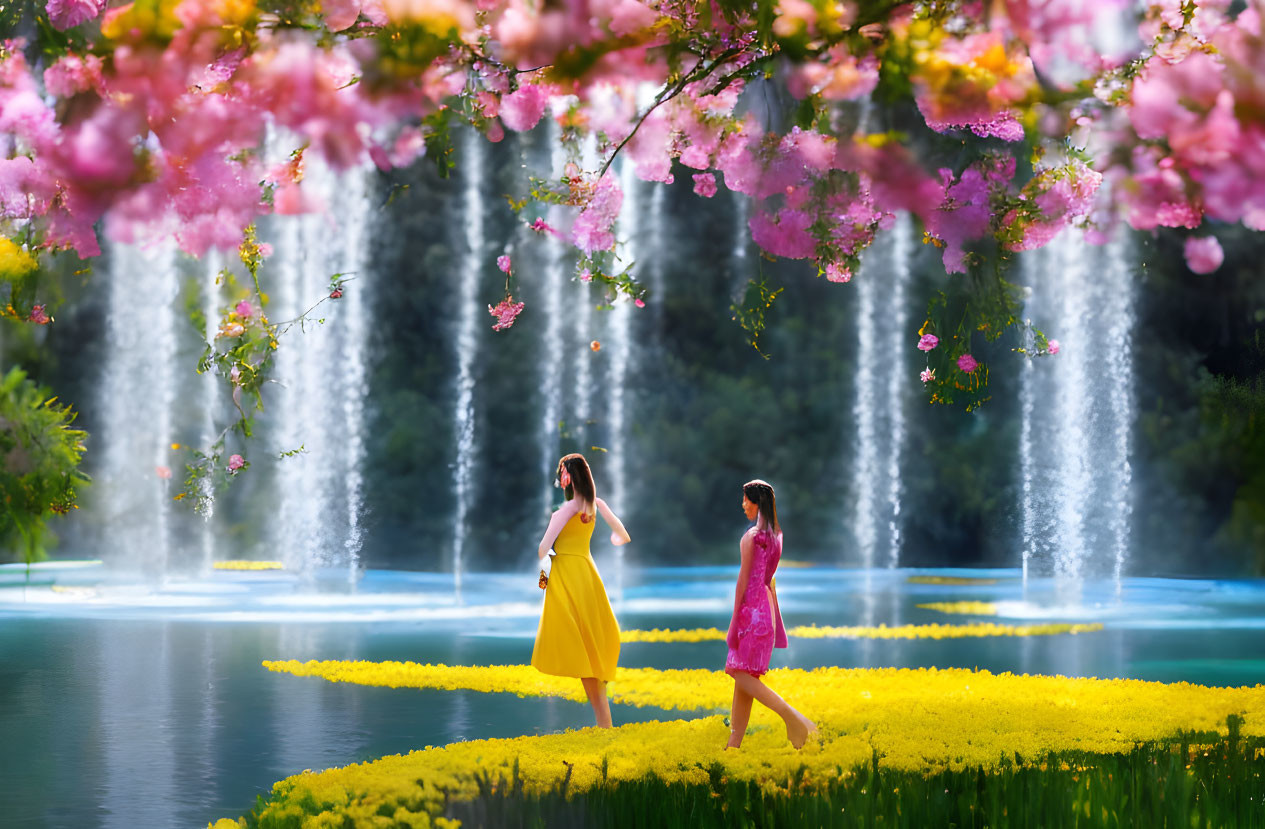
(505, 312)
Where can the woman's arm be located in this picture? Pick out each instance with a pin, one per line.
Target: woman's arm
(556, 522)
(744, 572)
(744, 575)
(619, 535)
(779, 640)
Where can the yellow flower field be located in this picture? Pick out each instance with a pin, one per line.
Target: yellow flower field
(236, 564)
(916, 718)
(969, 608)
(949, 580)
(932, 631)
(913, 719)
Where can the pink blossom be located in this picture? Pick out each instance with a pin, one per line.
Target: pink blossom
(761, 167)
(541, 226)
(534, 38)
(705, 185)
(22, 108)
(38, 316)
(72, 74)
(505, 312)
(843, 77)
(72, 226)
(410, 144)
(629, 16)
(640, 303)
(65, 14)
(235, 462)
(1164, 99)
(340, 14)
(586, 275)
(1004, 125)
(967, 363)
(592, 228)
(651, 148)
(1052, 346)
(494, 77)
(163, 472)
(786, 235)
(928, 342)
(697, 157)
(966, 211)
(1053, 198)
(503, 262)
(522, 108)
(308, 89)
(1203, 254)
(1156, 194)
(23, 190)
(98, 153)
(837, 272)
(294, 200)
(488, 103)
(379, 157)
(244, 309)
(927, 375)
(896, 179)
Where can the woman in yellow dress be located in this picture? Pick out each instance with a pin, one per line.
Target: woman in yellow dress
(578, 634)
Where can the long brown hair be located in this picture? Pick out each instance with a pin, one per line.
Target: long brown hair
(760, 493)
(581, 483)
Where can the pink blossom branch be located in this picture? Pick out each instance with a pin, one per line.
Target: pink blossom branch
(667, 95)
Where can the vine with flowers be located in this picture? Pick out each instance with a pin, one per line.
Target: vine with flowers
(242, 353)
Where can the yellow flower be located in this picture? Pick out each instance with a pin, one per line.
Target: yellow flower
(948, 579)
(972, 608)
(15, 262)
(146, 17)
(248, 565)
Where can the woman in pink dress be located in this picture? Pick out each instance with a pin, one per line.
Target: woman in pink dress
(756, 628)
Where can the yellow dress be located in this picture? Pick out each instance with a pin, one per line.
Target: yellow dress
(578, 634)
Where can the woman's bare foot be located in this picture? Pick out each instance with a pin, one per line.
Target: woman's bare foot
(735, 741)
(800, 729)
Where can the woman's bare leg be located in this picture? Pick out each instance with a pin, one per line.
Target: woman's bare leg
(596, 690)
(798, 727)
(739, 716)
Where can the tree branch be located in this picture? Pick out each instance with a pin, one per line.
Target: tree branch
(668, 94)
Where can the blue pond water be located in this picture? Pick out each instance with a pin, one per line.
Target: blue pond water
(124, 705)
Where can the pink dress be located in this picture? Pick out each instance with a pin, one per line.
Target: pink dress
(756, 629)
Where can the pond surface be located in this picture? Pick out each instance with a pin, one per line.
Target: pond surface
(123, 705)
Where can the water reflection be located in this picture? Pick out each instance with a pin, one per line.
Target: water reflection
(139, 728)
(149, 714)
